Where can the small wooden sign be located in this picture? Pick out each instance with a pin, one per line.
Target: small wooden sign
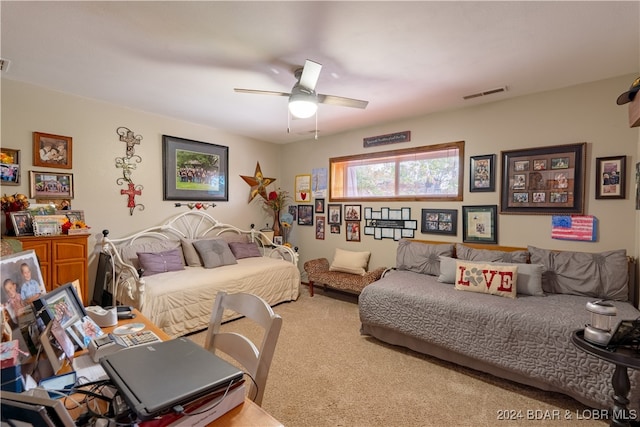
(392, 138)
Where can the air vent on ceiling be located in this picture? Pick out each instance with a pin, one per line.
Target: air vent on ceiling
(4, 64)
(486, 92)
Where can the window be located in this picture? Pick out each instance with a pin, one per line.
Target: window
(423, 173)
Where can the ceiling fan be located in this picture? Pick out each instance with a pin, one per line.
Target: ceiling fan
(303, 99)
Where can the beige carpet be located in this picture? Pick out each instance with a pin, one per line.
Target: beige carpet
(325, 373)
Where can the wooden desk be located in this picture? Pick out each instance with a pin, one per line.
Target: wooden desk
(246, 415)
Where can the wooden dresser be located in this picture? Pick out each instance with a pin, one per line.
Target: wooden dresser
(63, 259)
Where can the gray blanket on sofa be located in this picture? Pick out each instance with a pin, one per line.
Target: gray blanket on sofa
(527, 337)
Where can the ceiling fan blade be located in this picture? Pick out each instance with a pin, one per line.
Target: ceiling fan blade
(342, 101)
(261, 92)
(310, 75)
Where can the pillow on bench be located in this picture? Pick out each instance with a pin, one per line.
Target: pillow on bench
(350, 262)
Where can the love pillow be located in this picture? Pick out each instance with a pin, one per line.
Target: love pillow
(486, 278)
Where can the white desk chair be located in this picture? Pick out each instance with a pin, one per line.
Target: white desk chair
(255, 360)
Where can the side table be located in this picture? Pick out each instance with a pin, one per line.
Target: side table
(623, 358)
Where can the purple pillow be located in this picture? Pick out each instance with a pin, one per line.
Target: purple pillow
(244, 250)
(160, 262)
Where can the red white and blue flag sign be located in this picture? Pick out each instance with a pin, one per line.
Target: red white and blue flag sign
(574, 227)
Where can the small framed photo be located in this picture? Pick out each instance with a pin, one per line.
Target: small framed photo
(10, 166)
(52, 151)
(483, 174)
(479, 224)
(352, 212)
(277, 240)
(611, 177)
(334, 228)
(353, 231)
(46, 227)
(22, 223)
(72, 216)
(319, 206)
(64, 305)
(440, 221)
(334, 213)
(50, 185)
(320, 227)
(305, 215)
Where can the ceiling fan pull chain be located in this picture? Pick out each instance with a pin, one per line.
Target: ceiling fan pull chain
(288, 121)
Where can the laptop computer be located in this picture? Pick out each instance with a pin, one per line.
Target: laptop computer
(156, 377)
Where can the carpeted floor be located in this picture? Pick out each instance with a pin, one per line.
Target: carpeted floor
(324, 373)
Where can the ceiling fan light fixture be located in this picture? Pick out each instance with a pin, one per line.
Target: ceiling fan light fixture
(302, 104)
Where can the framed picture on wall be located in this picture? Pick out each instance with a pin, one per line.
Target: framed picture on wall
(544, 180)
(611, 176)
(320, 227)
(440, 221)
(305, 214)
(10, 166)
(194, 170)
(50, 185)
(334, 213)
(482, 173)
(52, 151)
(480, 224)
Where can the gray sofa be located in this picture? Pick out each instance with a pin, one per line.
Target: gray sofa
(524, 337)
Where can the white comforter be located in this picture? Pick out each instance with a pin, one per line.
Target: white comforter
(180, 302)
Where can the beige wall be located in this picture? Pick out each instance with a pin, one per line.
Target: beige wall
(585, 113)
(26, 108)
(582, 113)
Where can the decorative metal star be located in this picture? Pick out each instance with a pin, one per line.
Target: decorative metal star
(258, 183)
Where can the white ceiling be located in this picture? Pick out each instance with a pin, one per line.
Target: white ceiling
(183, 59)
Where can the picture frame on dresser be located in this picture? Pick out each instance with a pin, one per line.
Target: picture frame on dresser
(52, 151)
(10, 166)
(480, 224)
(544, 180)
(194, 170)
(22, 223)
(611, 177)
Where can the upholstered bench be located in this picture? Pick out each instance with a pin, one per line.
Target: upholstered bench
(319, 271)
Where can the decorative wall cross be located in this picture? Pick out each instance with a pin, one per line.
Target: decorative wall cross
(128, 164)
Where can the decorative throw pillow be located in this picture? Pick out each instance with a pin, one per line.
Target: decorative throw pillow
(599, 275)
(160, 262)
(487, 278)
(471, 254)
(214, 253)
(421, 257)
(244, 250)
(350, 262)
(129, 253)
(529, 275)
